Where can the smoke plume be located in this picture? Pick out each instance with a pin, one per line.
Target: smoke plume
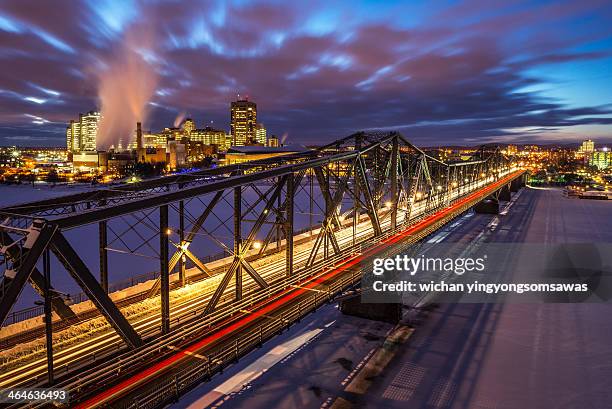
(284, 138)
(179, 118)
(126, 85)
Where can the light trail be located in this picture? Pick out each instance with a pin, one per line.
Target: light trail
(109, 342)
(286, 297)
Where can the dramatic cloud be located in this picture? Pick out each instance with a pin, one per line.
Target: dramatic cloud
(467, 73)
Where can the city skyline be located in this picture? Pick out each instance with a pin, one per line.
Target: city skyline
(445, 74)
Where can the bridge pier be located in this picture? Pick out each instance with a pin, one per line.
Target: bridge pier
(517, 183)
(490, 205)
(504, 194)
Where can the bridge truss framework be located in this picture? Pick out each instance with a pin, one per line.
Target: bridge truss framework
(379, 180)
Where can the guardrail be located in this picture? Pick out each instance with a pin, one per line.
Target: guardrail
(169, 389)
(129, 362)
(191, 375)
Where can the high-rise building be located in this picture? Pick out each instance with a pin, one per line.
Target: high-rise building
(188, 126)
(260, 135)
(81, 135)
(601, 159)
(89, 130)
(73, 136)
(243, 122)
(587, 147)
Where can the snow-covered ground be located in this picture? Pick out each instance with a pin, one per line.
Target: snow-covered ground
(304, 367)
(24, 193)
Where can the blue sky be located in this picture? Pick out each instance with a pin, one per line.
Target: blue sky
(441, 72)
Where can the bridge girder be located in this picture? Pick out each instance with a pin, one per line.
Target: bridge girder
(379, 181)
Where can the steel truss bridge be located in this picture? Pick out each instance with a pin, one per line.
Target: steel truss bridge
(283, 224)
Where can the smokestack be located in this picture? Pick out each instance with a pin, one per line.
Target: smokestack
(139, 141)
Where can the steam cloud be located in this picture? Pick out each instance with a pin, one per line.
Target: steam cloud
(126, 85)
(179, 118)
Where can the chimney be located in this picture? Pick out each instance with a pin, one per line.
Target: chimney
(139, 141)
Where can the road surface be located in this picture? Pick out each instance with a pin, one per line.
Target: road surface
(495, 356)
(467, 356)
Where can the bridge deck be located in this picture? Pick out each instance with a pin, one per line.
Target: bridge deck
(289, 305)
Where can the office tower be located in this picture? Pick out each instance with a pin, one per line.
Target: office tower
(73, 136)
(243, 122)
(260, 135)
(587, 147)
(89, 123)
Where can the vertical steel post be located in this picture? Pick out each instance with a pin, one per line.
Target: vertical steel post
(238, 239)
(328, 216)
(48, 315)
(103, 235)
(164, 274)
(311, 201)
(394, 196)
(356, 204)
(448, 186)
(289, 226)
(279, 226)
(182, 241)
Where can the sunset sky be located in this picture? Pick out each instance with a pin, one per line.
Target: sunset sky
(440, 72)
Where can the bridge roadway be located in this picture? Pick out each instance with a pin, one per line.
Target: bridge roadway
(223, 344)
(103, 345)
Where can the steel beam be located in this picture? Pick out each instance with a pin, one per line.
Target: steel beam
(48, 315)
(238, 239)
(103, 234)
(87, 199)
(164, 273)
(222, 286)
(149, 202)
(182, 241)
(81, 274)
(180, 252)
(361, 176)
(394, 172)
(24, 268)
(289, 226)
(37, 281)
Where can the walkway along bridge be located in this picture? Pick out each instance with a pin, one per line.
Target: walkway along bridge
(366, 192)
